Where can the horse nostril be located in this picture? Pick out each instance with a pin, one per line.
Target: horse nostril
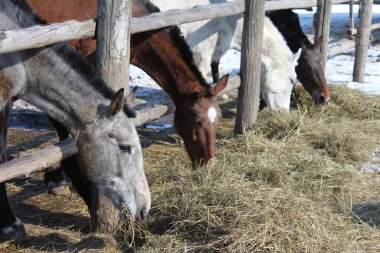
(142, 214)
(325, 99)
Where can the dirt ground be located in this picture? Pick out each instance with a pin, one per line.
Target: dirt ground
(62, 220)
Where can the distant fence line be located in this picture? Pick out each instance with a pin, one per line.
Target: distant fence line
(43, 35)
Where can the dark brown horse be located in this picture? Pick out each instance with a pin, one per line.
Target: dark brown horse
(310, 68)
(165, 56)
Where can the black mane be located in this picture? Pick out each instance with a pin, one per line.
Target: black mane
(287, 22)
(180, 43)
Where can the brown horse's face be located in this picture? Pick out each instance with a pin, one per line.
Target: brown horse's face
(310, 72)
(196, 119)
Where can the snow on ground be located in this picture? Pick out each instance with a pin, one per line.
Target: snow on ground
(338, 70)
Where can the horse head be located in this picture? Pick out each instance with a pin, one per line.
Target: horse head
(110, 155)
(196, 119)
(310, 72)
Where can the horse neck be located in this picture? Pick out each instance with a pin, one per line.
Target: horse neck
(161, 60)
(57, 79)
(287, 22)
(60, 87)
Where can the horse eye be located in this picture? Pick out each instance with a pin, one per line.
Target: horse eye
(125, 148)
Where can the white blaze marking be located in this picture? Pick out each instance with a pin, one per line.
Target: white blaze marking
(211, 114)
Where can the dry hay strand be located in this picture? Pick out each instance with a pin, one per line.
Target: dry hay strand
(291, 184)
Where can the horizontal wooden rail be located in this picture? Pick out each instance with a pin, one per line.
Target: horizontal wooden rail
(39, 36)
(29, 162)
(374, 26)
(340, 46)
(43, 35)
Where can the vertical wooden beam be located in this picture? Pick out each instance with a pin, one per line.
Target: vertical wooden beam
(362, 40)
(351, 31)
(250, 67)
(112, 43)
(113, 52)
(322, 26)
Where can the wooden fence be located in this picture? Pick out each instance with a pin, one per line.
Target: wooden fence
(39, 36)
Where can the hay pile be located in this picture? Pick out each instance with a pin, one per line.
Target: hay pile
(288, 185)
(292, 184)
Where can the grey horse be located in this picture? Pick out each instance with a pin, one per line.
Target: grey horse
(60, 82)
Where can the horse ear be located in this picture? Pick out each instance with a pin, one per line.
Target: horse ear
(117, 102)
(219, 86)
(131, 97)
(296, 56)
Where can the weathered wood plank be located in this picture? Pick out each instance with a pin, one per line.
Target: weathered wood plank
(39, 36)
(362, 40)
(322, 29)
(29, 162)
(250, 67)
(43, 35)
(112, 43)
(341, 46)
(112, 62)
(374, 26)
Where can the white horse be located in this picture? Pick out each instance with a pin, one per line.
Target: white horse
(209, 40)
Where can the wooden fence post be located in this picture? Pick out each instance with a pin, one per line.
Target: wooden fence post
(352, 31)
(113, 36)
(250, 66)
(322, 26)
(362, 40)
(112, 43)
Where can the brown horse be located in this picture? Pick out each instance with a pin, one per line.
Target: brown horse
(165, 56)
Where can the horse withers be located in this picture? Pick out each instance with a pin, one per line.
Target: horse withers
(60, 82)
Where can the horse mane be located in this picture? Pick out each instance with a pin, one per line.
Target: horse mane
(180, 43)
(26, 16)
(287, 22)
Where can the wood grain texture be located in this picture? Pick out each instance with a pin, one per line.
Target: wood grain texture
(250, 66)
(322, 29)
(362, 40)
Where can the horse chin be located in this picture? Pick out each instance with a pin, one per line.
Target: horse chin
(196, 164)
(320, 99)
(202, 163)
